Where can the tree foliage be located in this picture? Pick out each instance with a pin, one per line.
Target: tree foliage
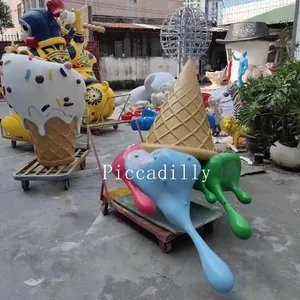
(271, 106)
(5, 17)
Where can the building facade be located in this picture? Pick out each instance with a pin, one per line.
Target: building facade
(144, 9)
(209, 7)
(102, 10)
(233, 11)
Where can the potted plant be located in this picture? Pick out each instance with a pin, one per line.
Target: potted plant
(271, 111)
(285, 152)
(257, 113)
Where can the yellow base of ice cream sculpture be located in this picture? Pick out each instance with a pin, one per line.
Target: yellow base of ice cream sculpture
(51, 105)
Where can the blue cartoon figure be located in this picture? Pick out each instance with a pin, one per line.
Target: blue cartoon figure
(242, 67)
(42, 34)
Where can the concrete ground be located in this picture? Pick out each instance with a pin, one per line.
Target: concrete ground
(56, 245)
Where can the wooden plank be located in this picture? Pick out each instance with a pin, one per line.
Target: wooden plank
(61, 170)
(30, 169)
(39, 169)
(77, 153)
(79, 161)
(50, 170)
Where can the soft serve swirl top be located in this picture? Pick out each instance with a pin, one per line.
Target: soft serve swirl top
(39, 90)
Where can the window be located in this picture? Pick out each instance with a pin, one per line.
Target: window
(23, 5)
(19, 10)
(118, 48)
(42, 3)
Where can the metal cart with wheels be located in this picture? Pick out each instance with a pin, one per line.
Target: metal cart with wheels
(33, 171)
(203, 218)
(101, 122)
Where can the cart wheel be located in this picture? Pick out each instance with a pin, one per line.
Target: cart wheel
(25, 185)
(165, 247)
(209, 228)
(66, 184)
(104, 209)
(14, 144)
(115, 127)
(97, 131)
(82, 165)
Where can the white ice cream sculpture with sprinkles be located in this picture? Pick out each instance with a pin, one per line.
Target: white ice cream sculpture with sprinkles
(50, 99)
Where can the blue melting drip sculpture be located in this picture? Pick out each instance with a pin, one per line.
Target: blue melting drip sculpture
(172, 195)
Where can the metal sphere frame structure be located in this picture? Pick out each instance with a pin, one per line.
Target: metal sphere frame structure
(185, 34)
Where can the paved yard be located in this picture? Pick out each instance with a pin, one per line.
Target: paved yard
(55, 244)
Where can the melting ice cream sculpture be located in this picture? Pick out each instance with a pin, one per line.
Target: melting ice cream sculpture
(172, 196)
(182, 126)
(49, 98)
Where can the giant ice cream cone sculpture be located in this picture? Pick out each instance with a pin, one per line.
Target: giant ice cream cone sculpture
(49, 97)
(57, 146)
(182, 123)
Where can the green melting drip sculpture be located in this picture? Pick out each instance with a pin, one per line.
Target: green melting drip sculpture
(224, 172)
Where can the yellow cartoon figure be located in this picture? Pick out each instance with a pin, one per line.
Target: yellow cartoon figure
(231, 126)
(100, 98)
(97, 94)
(13, 127)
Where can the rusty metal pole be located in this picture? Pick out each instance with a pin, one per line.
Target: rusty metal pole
(90, 21)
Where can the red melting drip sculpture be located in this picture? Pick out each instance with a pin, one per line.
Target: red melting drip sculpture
(143, 203)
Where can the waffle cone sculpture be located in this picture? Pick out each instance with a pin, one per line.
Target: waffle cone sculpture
(57, 146)
(49, 97)
(182, 123)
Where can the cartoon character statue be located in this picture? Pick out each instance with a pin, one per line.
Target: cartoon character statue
(42, 34)
(214, 103)
(13, 125)
(99, 98)
(49, 99)
(231, 126)
(172, 195)
(243, 66)
(155, 82)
